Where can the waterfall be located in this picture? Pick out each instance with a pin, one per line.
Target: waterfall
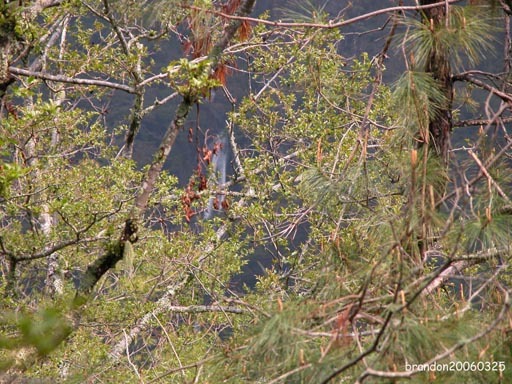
(218, 178)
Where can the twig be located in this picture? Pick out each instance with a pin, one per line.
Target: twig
(489, 177)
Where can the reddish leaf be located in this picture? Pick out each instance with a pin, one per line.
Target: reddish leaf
(188, 214)
(207, 157)
(231, 6)
(11, 110)
(202, 183)
(221, 73)
(187, 47)
(244, 32)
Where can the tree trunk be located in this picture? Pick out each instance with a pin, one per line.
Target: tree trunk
(7, 25)
(440, 126)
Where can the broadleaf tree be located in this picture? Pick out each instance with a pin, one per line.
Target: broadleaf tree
(370, 188)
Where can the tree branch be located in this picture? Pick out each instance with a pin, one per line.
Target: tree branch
(57, 247)
(204, 308)
(489, 177)
(459, 265)
(72, 80)
(477, 122)
(466, 76)
(330, 25)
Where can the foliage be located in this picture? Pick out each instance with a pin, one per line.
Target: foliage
(466, 36)
(373, 253)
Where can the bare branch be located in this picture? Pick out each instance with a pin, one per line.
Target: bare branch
(330, 25)
(459, 264)
(57, 247)
(467, 76)
(456, 267)
(204, 308)
(477, 122)
(72, 80)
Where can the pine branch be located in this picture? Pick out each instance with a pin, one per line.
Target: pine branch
(448, 351)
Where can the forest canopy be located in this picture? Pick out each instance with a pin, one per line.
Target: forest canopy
(240, 192)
